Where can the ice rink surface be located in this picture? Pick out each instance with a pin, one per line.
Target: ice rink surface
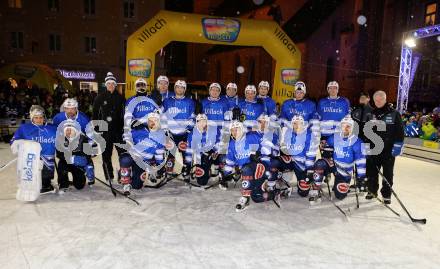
(178, 227)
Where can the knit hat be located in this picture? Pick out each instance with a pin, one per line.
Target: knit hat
(110, 78)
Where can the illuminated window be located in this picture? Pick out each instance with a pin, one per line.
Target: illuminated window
(430, 11)
(128, 8)
(91, 86)
(15, 3)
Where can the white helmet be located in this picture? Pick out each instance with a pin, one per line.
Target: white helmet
(300, 86)
(240, 126)
(298, 118)
(216, 85)
(263, 117)
(163, 78)
(155, 116)
(250, 88)
(180, 83)
(36, 111)
(141, 85)
(201, 117)
(347, 120)
(232, 85)
(73, 126)
(333, 83)
(263, 83)
(69, 103)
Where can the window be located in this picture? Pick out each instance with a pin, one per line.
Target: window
(15, 3)
(128, 8)
(54, 5)
(54, 42)
(90, 44)
(430, 11)
(17, 40)
(89, 7)
(34, 47)
(91, 86)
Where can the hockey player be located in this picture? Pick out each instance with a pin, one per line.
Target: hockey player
(298, 152)
(251, 107)
(38, 130)
(202, 158)
(299, 106)
(231, 96)
(244, 153)
(269, 104)
(332, 110)
(144, 163)
(161, 92)
(138, 106)
(69, 110)
(341, 153)
(70, 142)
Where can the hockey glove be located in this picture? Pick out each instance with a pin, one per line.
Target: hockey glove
(397, 149)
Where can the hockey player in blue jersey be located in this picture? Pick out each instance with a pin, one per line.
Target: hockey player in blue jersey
(341, 153)
(202, 159)
(69, 110)
(70, 143)
(298, 152)
(144, 163)
(299, 106)
(244, 153)
(161, 92)
(178, 117)
(231, 96)
(44, 134)
(138, 106)
(332, 110)
(269, 104)
(251, 107)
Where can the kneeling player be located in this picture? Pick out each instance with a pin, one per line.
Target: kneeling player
(244, 153)
(298, 153)
(202, 155)
(340, 153)
(73, 159)
(44, 134)
(144, 163)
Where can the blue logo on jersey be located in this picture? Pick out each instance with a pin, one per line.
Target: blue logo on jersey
(29, 167)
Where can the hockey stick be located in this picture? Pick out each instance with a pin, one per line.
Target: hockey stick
(355, 187)
(108, 176)
(333, 202)
(7, 164)
(422, 221)
(383, 203)
(116, 191)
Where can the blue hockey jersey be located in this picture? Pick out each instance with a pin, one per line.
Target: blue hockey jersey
(148, 145)
(80, 117)
(239, 151)
(200, 142)
(252, 110)
(331, 112)
(270, 107)
(348, 151)
(269, 142)
(305, 108)
(178, 114)
(137, 108)
(302, 147)
(216, 110)
(233, 101)
(45, 135)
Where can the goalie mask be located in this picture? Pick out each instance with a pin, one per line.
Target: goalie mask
(141, 86)
(37, 112)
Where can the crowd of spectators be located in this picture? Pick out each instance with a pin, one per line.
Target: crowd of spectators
(425, 126)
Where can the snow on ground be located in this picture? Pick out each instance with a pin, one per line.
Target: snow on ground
(178, 227)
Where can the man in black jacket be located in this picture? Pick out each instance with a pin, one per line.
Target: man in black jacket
(383, 114)
(109, 106)
(362, 113)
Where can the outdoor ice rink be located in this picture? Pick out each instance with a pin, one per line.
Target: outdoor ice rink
(176, 227)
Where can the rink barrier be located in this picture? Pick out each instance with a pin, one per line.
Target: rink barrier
(422, 150)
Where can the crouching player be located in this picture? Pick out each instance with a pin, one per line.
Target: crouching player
(244, 153)
(202, 159)
(70, 143)
(144, 163)
(44, 134)
(298, 152)
(340, 153)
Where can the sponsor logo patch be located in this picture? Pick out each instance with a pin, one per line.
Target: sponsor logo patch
(219, 29)
(286, 158)
(139, 67)
(199, 172)
(303, 185)
(245, 184)
(259, 171)
(342, 187)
